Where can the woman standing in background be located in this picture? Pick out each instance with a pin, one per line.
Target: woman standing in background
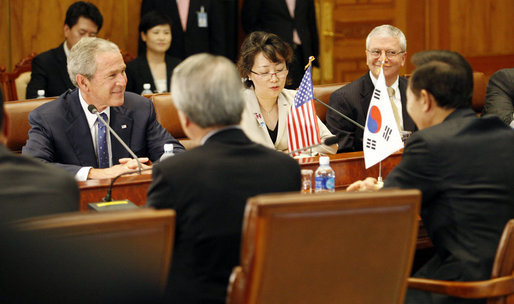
(152, 65)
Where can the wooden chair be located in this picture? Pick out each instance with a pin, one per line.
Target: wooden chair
(167, 116)
(498, 290)
(127, 56)
(143, 236)
(323, 92)
(326, 248)
(19, 78)
(4, 84)
(18, 121)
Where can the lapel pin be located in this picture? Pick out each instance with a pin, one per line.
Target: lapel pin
(123, 126)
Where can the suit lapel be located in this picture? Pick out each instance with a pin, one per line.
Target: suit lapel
(78, 132)
(366, 93)
(122, 125)
(283, 109)
(408, 123)
(255, 111)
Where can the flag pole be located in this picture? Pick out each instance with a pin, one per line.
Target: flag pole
(311, 59)
(380, 181)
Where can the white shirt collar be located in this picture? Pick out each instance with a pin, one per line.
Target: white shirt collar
(394, 86)
(66, 49)
(91, 118)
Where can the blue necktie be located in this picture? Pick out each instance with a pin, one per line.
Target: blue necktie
(103, 152)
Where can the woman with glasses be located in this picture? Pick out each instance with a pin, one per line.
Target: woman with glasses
(264, 67)
(153, 65)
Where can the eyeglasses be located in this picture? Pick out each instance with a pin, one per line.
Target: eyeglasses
(267, 76)
(375, 53)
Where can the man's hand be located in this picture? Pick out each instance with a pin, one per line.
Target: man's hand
(369, 184)
(125, 165)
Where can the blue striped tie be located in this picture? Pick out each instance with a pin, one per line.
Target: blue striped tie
(103, 152)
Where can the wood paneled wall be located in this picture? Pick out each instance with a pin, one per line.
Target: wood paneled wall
(37, 25)
(479, 29)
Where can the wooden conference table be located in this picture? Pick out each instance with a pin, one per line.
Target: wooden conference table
(349, 167)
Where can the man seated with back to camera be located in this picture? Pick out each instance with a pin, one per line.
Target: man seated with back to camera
(30, 188)
(208, 186)
(384, 43)
(49, 73)
(65, 133)
(463, 165)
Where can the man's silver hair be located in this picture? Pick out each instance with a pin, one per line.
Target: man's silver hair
(387, 30)
(82, 57)
(208, 90)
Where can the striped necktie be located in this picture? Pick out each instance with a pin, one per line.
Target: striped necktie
(103, 152)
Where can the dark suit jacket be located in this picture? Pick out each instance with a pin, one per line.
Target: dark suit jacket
(464, 167)
(273, 16)
(211, 39)
(60, 133)
(49, 73)
(30, 188)
(353, 101)
(500, 95)
(138, 73)
(208, 188)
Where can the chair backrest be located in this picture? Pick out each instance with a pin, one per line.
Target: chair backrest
(4, 84)
(18, 113)
(167, 114)
(143, 236)
(323, 92)
(127, 56)
(504, 260)
(20, 77)
(327, 248)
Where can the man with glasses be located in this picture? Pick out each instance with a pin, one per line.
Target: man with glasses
(387, 44)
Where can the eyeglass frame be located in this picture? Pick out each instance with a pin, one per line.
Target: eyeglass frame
(389, 53)
(266, 77)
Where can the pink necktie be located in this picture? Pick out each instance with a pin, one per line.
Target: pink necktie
(183, 9)
(291, 5)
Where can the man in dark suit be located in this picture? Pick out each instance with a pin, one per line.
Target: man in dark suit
(49, 71)
(65, 133)
(209, 185)
(203, 29)
(292, 20)
(387, 44)
(464, 167)
(500, 96)
(28, 187)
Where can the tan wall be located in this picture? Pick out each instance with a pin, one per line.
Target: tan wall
(37, 25)
(480, 29)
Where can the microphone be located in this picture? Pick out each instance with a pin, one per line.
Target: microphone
(328, 142)
(108, 196)
(94, 110)
(341, 114)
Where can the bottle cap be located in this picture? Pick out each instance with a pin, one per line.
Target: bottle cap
(324, 160)
(146, 86)
(40, 92)
(168, 147)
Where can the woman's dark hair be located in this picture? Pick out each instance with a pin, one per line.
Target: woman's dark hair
(271, 46)
(148, 21)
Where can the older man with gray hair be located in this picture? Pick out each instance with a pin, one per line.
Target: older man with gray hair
(209, 185)
(385, 43)
(65, 133)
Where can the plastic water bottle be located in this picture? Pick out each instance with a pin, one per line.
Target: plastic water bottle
(40, 94)
(146, 89)
(168, 152)
(324, 176)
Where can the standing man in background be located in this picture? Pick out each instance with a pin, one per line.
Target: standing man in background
(385, 43)
(49, 73)
(199, 26)
(292, 20)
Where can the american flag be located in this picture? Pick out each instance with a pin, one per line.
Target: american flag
(302, 122)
